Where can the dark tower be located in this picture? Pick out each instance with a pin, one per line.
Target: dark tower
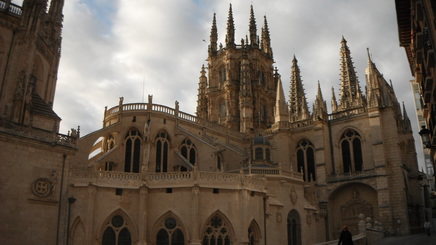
(29, 60)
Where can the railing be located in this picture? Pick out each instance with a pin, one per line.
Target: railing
(351, 175)
(12, 8)
(36, 133)
(170, 111)
(167, 180)
(346, 113)
(269, 172)
(134, 107)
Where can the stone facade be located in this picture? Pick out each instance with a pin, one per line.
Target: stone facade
(34, 158)
(249, 168)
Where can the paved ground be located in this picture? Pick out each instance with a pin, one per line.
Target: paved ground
(418, 239)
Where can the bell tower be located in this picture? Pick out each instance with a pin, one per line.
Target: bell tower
(29, 59)
(239, 91)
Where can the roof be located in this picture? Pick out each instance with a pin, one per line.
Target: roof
(40, 107)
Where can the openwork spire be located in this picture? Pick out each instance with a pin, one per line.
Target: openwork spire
(297, 104)
(213, 37)
(379, 92)
(253, 28)
(351, 95)
(320, 106)
(202, 103)
(230, 37)
(266, 40)
(334, 101)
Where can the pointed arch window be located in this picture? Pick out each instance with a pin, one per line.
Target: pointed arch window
(162, 146)
(351, 147)
(306, 160)
(294, 228)
(216, 233)
(253, 234)
(223, 75)
(117, 232)
(223, 110)
(219, 162)
(189, 152)
(132, 151)
(170, 233)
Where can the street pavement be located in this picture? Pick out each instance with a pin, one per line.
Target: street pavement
(417, 239)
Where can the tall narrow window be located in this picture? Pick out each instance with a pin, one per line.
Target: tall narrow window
(219, 162)
(132, 151)
(223, 75)
(294, 228)
(351, 147)
(253, 234)
(258, 153)
(223, 110)
(162, 144)
(116, 232)
(188, 151)
(170, 233)
(306, 160)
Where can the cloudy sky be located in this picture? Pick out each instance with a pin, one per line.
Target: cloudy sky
(133, 48)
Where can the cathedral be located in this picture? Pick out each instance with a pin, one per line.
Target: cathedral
(249, 168)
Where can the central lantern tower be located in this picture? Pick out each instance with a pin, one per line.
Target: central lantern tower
(239, 90)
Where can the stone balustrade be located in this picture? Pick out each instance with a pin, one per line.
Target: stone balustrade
(168, 180)
(351, 175)
(11, 8)
(36, 133)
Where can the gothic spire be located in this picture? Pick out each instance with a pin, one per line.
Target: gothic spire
(407, 124)
(253, 28)
(281, 112)
(230, 37)
(320, 107)
(297, 104)
(56, 7)
(334, 101)
(202, 100)
(213, 37)
(266, 41)
(351, 95)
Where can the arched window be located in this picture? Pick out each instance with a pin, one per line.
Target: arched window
(117, 232)
(162, 146)
(132, 151)
(223, 75)
(253, 233)
(267, 154)
(216, 233)
(170, 233)
(189, 152)
(223, 110)
(351, 147)
(219, 162)
(258, 154)
(294, 228)
(306, 160)
(262, 79)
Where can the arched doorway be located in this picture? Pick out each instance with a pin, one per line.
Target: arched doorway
(294, 228)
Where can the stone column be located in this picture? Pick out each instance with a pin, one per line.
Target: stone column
(142, 210)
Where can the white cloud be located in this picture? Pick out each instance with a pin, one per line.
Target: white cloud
(111, 48)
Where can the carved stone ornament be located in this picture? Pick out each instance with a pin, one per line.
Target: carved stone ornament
(42, 188)
(309, 218)
(294, 196)
(279, 217)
